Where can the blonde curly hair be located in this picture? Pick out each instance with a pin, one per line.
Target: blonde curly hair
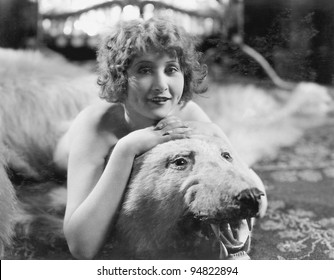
(129, 39)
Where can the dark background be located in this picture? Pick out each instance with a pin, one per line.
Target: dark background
(294, 36)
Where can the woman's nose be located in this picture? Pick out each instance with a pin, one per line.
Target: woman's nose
(160, 82)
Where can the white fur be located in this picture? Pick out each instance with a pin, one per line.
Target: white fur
(259, 121)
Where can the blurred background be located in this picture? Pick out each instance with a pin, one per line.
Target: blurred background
(294, 36)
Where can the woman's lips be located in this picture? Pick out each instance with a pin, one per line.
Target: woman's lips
(159, 100)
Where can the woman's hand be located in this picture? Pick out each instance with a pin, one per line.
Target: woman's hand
(204, 129)
(142, 140)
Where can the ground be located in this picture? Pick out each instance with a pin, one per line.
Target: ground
(299, 223)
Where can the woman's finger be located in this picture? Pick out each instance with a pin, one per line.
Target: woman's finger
(176, 130)
(167, 121)
(175, 125)
(170, 137)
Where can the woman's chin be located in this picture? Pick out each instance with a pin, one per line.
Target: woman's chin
(160, 113)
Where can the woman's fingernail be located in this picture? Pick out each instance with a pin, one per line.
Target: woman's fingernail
(159, 126)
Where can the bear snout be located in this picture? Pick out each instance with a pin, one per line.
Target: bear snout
(249, 201)
(213, 202)
(208, 202)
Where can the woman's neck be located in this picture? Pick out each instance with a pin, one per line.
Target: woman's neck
(136, 121)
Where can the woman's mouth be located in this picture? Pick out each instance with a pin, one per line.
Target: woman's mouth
(159, 100)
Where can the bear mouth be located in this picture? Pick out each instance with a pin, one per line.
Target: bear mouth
(230, 239)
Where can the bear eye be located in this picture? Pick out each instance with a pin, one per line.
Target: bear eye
(179, 163)
(226, 156)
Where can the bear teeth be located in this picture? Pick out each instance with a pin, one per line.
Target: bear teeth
(223, 255)
(242, 255)
(229, 246)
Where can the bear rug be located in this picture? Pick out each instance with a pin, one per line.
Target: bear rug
(189, 199)
(285, 136)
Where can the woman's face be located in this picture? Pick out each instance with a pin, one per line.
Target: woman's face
(155, 86)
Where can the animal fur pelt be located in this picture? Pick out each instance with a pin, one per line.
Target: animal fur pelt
(41, 94)
(272, 116)
(8, 208)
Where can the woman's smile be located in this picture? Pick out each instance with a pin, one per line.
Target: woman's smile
(159, 100)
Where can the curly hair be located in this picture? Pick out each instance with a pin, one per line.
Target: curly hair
(131, 38)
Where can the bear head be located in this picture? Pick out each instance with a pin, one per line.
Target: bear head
(190, 198)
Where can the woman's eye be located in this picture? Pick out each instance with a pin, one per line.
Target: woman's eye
(172, 69)
(145, 70)
(226, 156)
(179, 163)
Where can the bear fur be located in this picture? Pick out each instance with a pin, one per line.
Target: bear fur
(40, 95)
(176, 191)
(8, 205)
(169, 205)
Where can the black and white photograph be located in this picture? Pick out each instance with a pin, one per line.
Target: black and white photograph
(167, 130)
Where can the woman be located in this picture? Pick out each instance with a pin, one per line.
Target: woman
(148, 73)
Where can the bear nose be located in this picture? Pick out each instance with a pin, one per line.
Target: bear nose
(249, 202)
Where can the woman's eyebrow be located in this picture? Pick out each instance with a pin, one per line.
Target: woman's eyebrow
(143, 62)
(152, 62)
(173, 61)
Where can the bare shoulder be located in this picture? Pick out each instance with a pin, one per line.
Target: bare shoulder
(89, 122)
(90, 135)
(191, 111)
(92, 115)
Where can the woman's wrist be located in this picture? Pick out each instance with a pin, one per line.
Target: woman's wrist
(125, 147)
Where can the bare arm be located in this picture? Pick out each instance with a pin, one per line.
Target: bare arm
(95, 192)
(94, 195)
